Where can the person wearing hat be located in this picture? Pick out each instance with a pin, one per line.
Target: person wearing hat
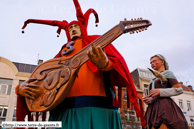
(92, 101)
(162, 111)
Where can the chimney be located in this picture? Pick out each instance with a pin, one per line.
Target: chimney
(190, 87)
(40, 61)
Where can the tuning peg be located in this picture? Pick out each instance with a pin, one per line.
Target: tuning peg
(142, 29)
(133, 31)
(145, 28)
(125, 19)
(139, 30)
(137, 18)
(128, 25)
(130, 32)
(131, 19)
(136, 31)
(141, 18)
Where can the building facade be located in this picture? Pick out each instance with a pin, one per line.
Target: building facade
(11, 74)
(141, 78)
(128, 115)
(186, 103)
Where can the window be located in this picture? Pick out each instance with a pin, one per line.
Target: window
(146, 89)
(5, 86)
(181, 104)
(125, 96)
(188, 105)
(132, 115)
(191, 119)
(132, 118)
(131, 112)
(14, 114)
(21, 81)
(5, 89)
(3, 113)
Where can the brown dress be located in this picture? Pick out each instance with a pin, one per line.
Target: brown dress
(164, 110)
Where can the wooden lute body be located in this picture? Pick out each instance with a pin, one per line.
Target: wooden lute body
(55, 77)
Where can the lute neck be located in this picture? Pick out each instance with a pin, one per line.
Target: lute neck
(102, 41)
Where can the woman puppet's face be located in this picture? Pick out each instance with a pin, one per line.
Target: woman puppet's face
(156, 63)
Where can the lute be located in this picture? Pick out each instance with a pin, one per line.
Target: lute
(55, 77)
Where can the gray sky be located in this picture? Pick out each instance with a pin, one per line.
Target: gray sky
(171, 33)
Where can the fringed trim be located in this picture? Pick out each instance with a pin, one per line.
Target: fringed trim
(44, 116)
(30, 117)
(39, 114)
(128, 102)
(114, 97)
(22, 111)
(119, 96)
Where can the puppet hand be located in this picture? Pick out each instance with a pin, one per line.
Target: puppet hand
(98, 57)
(154, 92)
(146, 100)
(28, 90)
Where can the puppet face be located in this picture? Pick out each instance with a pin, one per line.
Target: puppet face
(74, 31)
(156, 63)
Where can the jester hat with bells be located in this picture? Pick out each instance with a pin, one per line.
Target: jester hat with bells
(82, 21)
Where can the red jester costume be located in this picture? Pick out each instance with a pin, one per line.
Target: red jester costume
(92, 101)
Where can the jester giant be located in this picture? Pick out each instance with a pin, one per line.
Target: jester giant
(92, 101)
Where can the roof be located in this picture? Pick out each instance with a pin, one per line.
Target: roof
(27, 68)
(145, 74)
(185, 88)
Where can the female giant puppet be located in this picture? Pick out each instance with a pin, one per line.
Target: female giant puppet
(91, 103)
(162, 112)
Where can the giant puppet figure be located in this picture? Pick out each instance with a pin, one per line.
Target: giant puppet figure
(162, 111)
(92, 101)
